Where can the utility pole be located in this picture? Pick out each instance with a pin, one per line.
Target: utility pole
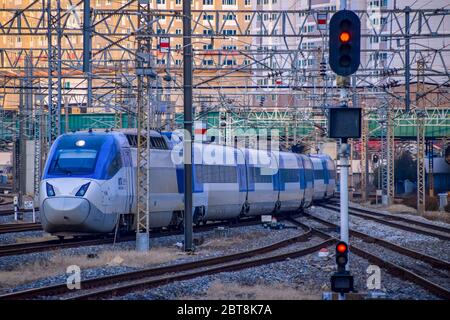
(145, 75)
(54, 66)
(364, 157)
(430, 168)
(38, 116)
(118, 101)
(66, 114)
(420, 114)
(87, 50)
(187, 141)
(390, 156)
(407, 60)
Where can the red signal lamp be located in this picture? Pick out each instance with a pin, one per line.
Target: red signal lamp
(341, 247)
(344, 37)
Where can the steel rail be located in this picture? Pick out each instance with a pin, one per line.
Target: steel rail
(403, 223)
(121, 282)
(33, 247)
(392, 268)
(19, 227)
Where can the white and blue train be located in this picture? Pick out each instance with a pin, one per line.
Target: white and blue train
(89, 183)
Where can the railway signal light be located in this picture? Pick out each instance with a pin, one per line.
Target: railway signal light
(375, 158)
(345, 42)
(344, 123)
(341, 255)
(342, 280)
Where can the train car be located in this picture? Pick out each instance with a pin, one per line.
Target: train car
(218, 184)
(324, 176)
(308, 174)
(287, 182)
(89, 182)
(261, 196)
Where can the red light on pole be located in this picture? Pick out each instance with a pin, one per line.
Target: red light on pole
(344, 37)
(341, 248)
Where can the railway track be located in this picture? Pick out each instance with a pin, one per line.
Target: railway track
(439, 268)
(19, 227)
(420, 227)
(49, 245)
(123, 283)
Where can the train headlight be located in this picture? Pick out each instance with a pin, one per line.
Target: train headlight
(82, 191)
(50, 190)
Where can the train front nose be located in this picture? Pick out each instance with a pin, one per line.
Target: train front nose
(64, 213)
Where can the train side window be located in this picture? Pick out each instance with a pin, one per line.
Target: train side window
(318, 174)
(158, 143)
(115, 165)
(216, 174)
(289, 175)
(262, 178)
(132, 140)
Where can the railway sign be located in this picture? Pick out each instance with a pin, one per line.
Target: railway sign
(29, 205)
(322, 18)
(164, 45)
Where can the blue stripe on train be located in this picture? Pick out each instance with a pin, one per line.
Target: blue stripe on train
(241, 172)
(278, 185)
(302, 174)
(251, 178)
(197, 187)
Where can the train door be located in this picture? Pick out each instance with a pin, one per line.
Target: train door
(128, 181)
(302, 179)
(326, 177)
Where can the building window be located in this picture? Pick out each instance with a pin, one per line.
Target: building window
(208, 2)
(248, 2)
(228, 32)
(229, 62)
(229, 48)
(229, 2)
(229, 17)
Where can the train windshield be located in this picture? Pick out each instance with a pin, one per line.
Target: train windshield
(73, 161)
(85, 155)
